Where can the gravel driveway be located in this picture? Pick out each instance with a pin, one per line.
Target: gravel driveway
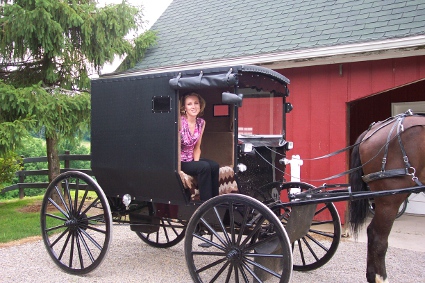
(130, 260)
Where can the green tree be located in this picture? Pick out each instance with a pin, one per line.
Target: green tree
(48, 50)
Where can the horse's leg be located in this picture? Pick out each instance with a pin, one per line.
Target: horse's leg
(377, 244)
(378, 232)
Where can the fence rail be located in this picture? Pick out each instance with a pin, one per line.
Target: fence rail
(22, 174)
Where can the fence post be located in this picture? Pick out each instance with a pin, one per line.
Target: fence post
(66, 163)
(67, 160)
(21, 179)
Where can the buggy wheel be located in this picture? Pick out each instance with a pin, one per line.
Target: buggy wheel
(76, 222)
(318, 246)
(170, 233)
(268, 193)
(236, 238)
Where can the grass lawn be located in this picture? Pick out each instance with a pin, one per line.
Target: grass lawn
(20, 218)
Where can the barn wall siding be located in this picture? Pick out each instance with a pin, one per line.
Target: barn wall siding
(321, 95)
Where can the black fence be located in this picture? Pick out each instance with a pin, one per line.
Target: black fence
(21, 185)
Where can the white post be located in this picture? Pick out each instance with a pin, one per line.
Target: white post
(295, 163)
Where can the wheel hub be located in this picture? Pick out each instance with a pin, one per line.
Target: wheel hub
(77, 222)
(71, 223)
(234, 254)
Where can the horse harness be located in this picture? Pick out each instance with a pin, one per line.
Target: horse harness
(408, 170)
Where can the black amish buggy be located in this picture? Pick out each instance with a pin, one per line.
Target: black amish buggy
(258, 229)
(135, 126)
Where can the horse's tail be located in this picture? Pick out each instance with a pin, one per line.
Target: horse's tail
(358, 208)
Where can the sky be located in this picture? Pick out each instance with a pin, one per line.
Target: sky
(152, 10)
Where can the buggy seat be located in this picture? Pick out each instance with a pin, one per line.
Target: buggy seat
(227, 183)
(217, 146)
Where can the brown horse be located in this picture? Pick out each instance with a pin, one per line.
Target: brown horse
(391, 154)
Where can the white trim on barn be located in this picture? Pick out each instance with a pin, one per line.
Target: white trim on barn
(366, 51)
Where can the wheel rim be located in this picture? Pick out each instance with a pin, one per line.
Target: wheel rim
(76, 226)
(170, 233)
(321, 242)
(245, 244)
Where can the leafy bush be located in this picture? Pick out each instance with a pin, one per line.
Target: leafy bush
(9, 164)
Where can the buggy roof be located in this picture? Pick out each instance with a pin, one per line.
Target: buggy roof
(195, 72)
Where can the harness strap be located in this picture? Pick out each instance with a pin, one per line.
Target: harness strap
(384, 174)
(397, 123)
(394, 172)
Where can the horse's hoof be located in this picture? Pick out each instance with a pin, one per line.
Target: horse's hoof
(379, 279)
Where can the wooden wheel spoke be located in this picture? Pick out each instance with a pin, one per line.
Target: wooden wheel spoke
(80, 253)
(220, 247)
(51, 229)
(59, 193)
(212, 230)
(96, 218)
(300, 249)
(86, 247)
(94, 242)
(254, 231)
(92, 205)
(316, 242)
(310, 249)
(66, 232)
(80, 207)
(222, 226)
(93, 228)
(56, 217)
(71, 253)
(59, 208)
(165, 232)
(262, 267)
(321, 233)
(242, 226)
(68, 195)
(208, 266)
(221, 270)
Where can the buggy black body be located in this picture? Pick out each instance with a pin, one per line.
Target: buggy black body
(135, 127)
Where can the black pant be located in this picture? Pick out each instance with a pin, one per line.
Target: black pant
(206, 172)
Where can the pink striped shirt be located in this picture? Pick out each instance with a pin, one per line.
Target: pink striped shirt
(188, 141)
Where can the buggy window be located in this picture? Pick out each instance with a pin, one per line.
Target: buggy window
(260, 114)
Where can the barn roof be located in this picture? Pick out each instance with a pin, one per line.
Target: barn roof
(270, 31)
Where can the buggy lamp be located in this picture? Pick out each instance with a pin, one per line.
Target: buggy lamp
(242, 167)
(126, 200)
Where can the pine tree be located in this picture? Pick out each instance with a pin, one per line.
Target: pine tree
(48, 50)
